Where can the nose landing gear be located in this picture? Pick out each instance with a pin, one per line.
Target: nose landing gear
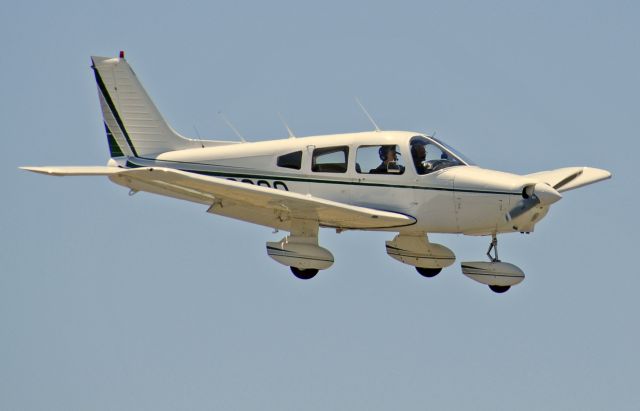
(497, 275)
(493, 246)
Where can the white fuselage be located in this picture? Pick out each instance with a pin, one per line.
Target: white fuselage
(461, 199)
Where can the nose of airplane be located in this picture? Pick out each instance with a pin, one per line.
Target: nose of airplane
(546, 194)
(534, 195)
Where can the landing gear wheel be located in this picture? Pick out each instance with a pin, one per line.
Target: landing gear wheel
(307, 274)
(499, 288)
(428, 272)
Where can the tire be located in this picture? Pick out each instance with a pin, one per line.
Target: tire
(428, 272)
(499, 288)
(307, 274)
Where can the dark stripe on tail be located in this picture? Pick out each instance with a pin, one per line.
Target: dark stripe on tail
(107, 98)
(114, 148)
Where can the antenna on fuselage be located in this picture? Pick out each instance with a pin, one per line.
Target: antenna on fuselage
(364, 110)
(235, 130)
(198, 134)
(291, 135)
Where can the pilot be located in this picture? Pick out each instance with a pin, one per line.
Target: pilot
(419, 154)
(389, 165)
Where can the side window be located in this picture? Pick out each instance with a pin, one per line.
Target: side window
(330, 159)
(382, 159)
(291, 160)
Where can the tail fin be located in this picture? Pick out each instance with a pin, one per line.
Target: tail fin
(133, 124)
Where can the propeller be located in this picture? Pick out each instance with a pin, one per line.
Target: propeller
(567, 179)
(533, 195)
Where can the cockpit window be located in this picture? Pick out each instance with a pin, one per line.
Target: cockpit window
(381, 159)
(428, 156)
(455, 152)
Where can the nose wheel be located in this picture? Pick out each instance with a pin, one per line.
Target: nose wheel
(499, 276)
(493, 246)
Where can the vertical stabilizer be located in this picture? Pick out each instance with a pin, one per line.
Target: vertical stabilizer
(133, 124)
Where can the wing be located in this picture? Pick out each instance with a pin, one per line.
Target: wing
(569, 178)
(255, 204)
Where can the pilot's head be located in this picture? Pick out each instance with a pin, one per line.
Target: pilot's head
(418, 151)
(388, 153)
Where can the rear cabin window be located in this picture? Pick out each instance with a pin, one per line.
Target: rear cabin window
(291, 160)
(330, 159)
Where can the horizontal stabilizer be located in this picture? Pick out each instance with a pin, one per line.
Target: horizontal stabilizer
(569, 178)
(75, 170)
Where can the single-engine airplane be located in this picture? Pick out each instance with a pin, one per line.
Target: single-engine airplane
(402, 182)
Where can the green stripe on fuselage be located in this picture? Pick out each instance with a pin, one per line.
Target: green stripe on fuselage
(130, 164)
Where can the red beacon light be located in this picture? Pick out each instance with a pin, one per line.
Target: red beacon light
(121, 54)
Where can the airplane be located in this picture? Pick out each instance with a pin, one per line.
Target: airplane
(407, 183)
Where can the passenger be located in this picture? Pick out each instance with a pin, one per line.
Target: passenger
(389, 157)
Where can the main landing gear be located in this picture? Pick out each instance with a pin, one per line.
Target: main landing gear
(428, 272)
(301, 253)
(497, 275)
(303, 274)
(499, 288)
(416, 250)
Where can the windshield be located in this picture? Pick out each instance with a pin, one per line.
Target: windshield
(455, 152)
(429, 155)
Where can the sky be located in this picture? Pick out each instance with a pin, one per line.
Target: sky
(112, 302)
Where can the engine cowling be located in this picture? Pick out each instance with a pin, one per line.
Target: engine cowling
(538, 194)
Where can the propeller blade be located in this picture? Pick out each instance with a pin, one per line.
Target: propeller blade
(522, 207)
(533, 196)
(567, 180)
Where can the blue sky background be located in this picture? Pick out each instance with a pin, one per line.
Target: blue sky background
(111, 302)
